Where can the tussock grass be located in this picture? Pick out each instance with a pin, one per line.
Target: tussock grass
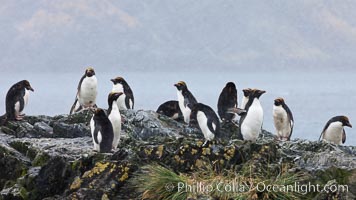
(158, 182)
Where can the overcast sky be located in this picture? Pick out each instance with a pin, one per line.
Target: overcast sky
(59, 35)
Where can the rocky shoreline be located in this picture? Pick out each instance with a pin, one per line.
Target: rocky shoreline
(51, 158)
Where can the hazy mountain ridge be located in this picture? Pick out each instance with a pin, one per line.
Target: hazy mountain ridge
(181, 35)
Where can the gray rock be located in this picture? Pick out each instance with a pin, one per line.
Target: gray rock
(63, 130)
(52, 178)
(39, 118)
(43, 129)
(20, 128)
(315, 155)
(16, 192)
(52, 157)
(71, 149)
(148, 126)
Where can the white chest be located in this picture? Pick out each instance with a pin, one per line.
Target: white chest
(88, 91)
(252, 124)
(334, 133)
(115, 117)
(244, 102)
(203, 124)
(17, 104)
(281, 122)
(27, 94)
(180, 99)
(118, 88)
(121, 102)
(92, 128)
(185, 110)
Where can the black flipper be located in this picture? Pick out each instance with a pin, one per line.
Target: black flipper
(73, 110)
(96, 131)
(210, 126)
(321, 135)
(127, 102)
(129, 95)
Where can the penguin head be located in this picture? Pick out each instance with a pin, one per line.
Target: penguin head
(344, 120)
(279, 101)
(89, 72)
(257, 93)
(230, 86)
(247, 92)
(118, 80)
(113, 96)
(25, 84)
(181, 85)
(99, 113)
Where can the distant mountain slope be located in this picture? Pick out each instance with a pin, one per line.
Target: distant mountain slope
(180, 34)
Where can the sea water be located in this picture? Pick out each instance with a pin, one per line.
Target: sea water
(313, 97)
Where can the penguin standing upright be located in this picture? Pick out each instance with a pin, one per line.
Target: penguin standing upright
(283, 120)
(115, 117)
(87, 92)
(207, 120)
(246, 92)
(101, 131)
(17, 99)
(126, 100)
(227, 100)
(186, 100)
(170, 109)
(251, 121)
(334, 131)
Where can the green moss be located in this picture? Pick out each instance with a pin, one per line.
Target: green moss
(340, 175)
(9, 184)
(12, 125)
(23, 193)
(80, 117)
(40, 159)
(24, 171)
(75, 165)
(24, 148)
(98, 157)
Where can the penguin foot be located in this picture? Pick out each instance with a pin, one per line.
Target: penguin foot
(206, 143)
(123, 119)
(283, 139)
(234, 123)
(20, 117)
